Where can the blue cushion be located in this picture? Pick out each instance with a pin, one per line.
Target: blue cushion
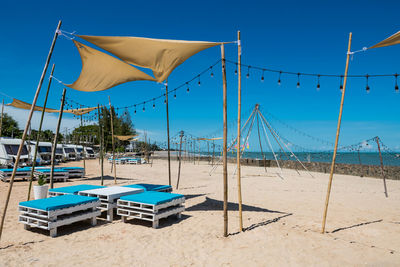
(59, 202)
(49, 170)
(149, 187)
(71, 168)
(74, 189)
(18, 170)
(152, 197)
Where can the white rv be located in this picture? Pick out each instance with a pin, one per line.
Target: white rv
(69, 152)
(79, 152)
(43, 156)
(60, 157)
(89, 153)
(8, 152)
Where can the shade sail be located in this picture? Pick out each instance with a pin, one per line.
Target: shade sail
(101, 71)
(392, 40)
(161, 56)
(23, 105)
(124, 137)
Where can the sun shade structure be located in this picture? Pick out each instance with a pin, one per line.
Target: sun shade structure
(124, 137)
(101, 71)
(161, 56)
(392, 40)
(23, 105)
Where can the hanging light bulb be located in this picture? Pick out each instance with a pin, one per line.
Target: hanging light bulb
(318, 84)
(236, 70)
(187, 89)
(248, 72)
(135, 109)
(341, 83)
(298, 80)
(175, 96)
(279, 79)
(199, 81)
(144, 107)
(262, 76)
(212, 74)
(154, 104)
(367, 86)
(396, 87)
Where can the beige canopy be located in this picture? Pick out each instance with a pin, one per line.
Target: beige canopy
(124, 137)
(210, 139)
(23, 105)
(101, 71)
(161, 56)
(392, 40)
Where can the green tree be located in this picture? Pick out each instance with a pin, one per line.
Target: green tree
(10, 127)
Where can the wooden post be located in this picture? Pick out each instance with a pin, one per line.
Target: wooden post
(53, 152)
(225, 137)
(83, 149)
(26, 128)
(337, 136)
(101, 147)
(169, 153)
(180, 159)
(213, 154)
(208, 152)
(238, 131)
(383, 171)
(38, 134)
(113, 145)
(1, 119)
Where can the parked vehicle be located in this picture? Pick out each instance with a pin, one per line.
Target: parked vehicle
(69, 152)
(79, 152)
(89, 153)
(43, 156)
(60, 156)
(9, 150)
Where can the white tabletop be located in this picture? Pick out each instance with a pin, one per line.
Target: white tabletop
(113, 191)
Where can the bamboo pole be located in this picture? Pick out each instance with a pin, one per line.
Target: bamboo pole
(113, 145)
(101, 147)
(1, 119)
(180, 159)
(382, 170)
(225, 136)
(53, 152)
(238, 131)
(83, 150)
(213, 153)
(337, 136)
(169, 153)
(38, 134)
(27, 126)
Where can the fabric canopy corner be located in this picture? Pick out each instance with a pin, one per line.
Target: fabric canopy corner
(125, 137)
(101, 71)
(392, 40)
(161, 56)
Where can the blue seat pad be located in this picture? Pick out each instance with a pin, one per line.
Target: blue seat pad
(149, 187)
(74, 189)
(49, 170)
(71, 168)
(59, 202)
(18, 170)
(152, 197)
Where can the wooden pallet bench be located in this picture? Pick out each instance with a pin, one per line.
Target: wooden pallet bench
(150, 206)
(22, 173)
(51, 213)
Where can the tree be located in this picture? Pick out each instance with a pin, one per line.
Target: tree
(10, 127)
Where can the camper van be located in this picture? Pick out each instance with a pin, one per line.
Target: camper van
(60, 154)
(79, 152)
(69, 152)
(43, 156)
(89, 153)
(8, 152)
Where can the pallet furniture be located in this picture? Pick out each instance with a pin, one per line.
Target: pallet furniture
(109, 196)
(51, 213)
(74, 172)
(72, 190)
(150, 206)
(152, 187)
(58, 175)
(22, 173)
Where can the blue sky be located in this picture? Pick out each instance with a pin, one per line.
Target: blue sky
(306, 36)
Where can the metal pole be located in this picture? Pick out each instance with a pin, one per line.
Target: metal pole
(113, 146)
(169, 154)
(27, 126)
(83, 149)
(101, 147)
(180, 159)
(337, 136)
(225, 136)
(53, 152)
(238, 132)
(1, 120)
(38, 134)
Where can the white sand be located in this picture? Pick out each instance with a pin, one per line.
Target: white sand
(283, 218)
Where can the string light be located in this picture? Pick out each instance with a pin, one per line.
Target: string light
(175, 95)
(248, 72)
(367, 87)
(165, 100)
(298, 80)
(199, 80)
(318, 84)
(135, 109)
(144, 107)
(396, 87)
(341, 83)
(279, 79)
(212, 74)
(154, 104)
(262, 76)
(236, 70)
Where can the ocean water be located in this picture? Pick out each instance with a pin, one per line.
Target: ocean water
(364, 158)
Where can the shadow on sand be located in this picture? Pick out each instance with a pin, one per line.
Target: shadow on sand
(356, 225)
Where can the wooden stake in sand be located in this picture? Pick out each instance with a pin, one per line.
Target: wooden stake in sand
(38, 134)
(1, 119)
(53, 152)
(169, 153)
(27, 127)
(337, 136)
(101, 147)
(225, 150)
(238, 131)
(83, 151)
(382, 170)
(180, 158)
(113, 146)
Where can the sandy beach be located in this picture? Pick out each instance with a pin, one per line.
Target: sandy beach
(282, 218)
